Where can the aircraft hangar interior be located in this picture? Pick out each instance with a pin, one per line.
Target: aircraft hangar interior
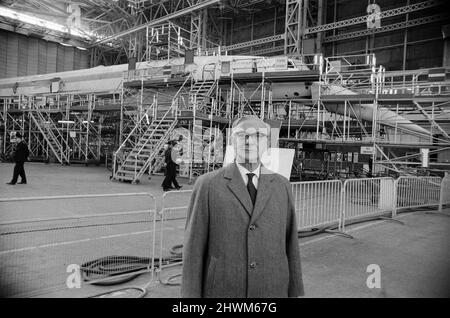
(104, 103)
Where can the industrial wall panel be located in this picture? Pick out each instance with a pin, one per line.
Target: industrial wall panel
(76, 59)
(42, 57)
(390, 38)
(51, 57)
(3, 53)
(425, 32)
(392, 57)
(389, 4)
(60, 58)
(33, 56)
(68, 58)
(419, 56)
(84, 59)
(243, 35)
(11, 55)
(23, 56)
(352, 45)
(350, 9)
(262, 31)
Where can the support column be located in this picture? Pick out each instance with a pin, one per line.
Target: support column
(198, 29)
(135, 46)
(320, 15)
(293, 27)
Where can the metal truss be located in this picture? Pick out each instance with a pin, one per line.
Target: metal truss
(386, 28)
(269, 50)
(170, 40)
(293, 27)
(384, 14)
(163, 12)
(197, 23)
(136, 46)
(269, 39)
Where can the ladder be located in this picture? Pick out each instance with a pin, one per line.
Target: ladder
(52, 136)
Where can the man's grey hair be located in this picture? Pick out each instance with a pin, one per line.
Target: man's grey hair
(247, 118)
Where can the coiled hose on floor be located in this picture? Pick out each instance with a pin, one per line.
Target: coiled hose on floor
(110, 266)
(118, 265)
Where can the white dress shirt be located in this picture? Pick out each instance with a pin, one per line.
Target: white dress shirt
(244, 172)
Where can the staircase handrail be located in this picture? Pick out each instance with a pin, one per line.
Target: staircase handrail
(49, 131)
(146, 113)
(158, 145)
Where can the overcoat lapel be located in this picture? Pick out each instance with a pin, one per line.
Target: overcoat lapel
(237, 187)
(263, 193)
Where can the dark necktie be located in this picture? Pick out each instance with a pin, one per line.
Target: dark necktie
(251, 187)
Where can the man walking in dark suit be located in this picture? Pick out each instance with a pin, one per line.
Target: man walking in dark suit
(20, 156)
(241, 235)
(171, 170)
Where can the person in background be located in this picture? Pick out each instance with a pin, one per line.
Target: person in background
(20, 156)
(171, 169)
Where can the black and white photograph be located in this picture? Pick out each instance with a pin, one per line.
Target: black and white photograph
(225, 156)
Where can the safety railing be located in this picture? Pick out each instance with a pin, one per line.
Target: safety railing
(306, 62)
(170, 230)
(97, 241)
(150, 111)
(349, 63)
(414, 192)
(367, 197)
(445, 192)
(317, 203)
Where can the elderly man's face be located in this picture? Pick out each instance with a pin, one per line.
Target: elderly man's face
(249, 143)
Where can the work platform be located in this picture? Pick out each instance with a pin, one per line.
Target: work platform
(385, 98)
(345, 101)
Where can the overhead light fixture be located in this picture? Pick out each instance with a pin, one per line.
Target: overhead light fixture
(25, 18)
(66, 122)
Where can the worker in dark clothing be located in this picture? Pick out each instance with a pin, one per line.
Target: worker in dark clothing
(171, 170)
(20, 155)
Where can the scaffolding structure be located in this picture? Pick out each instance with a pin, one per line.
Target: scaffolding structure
(346, 102)
(61, 127)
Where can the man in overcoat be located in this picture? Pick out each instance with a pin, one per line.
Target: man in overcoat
(241, 235)
(20, 156)
(171, 169)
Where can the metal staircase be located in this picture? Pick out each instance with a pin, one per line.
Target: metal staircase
(89, 142)
(52, 136)
(145, 154)
(146, 149)
(200, 92)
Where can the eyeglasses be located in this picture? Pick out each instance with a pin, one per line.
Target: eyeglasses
(256, 135)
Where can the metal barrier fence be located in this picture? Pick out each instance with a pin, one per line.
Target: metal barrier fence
(35, 254)
(414, 192)
(91, 244)
(171, 227)
(317, 203)
(445, 192)
(368, 197)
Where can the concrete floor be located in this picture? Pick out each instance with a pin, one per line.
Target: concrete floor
(414, 258)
